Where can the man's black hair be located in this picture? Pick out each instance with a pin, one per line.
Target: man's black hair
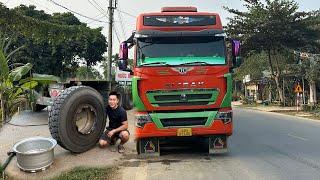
(114, 93)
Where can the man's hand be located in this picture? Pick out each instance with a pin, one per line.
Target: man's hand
(111, 133)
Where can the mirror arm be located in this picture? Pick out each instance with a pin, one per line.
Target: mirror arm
(130, 40)
(129, 70)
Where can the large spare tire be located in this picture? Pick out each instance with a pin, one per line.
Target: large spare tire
(77, 118)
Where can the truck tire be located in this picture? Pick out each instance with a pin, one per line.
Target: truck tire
(77, 118)
(138, 148)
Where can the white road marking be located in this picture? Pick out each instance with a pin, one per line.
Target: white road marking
(298, 137)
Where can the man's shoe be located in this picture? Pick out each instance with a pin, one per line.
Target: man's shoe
(120, 148)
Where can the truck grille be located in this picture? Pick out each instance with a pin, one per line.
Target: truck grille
(182, 97)
(191, 121)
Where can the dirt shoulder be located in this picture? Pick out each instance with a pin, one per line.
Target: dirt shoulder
(63, 160)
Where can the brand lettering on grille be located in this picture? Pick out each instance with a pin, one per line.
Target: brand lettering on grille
(184, 85)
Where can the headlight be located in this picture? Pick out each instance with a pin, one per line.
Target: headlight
(142, 119)
(225, 116)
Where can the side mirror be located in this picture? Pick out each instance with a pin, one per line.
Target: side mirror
(122, 64)
(236, 61)
(123, 56)
(235, 47)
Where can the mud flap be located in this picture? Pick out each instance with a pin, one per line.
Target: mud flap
(218, 144)
(148, 147)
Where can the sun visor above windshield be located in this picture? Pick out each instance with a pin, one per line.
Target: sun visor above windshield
(157, 33)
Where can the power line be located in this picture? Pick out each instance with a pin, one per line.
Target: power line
(98, 7)
(100, 17)
(122, 24)
(101, 10)
(77, 12)
(117, 35)
(126, 13)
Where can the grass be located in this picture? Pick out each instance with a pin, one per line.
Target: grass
(84, 173)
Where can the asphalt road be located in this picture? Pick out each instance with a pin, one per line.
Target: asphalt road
(264, 146)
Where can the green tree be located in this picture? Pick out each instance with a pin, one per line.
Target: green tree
(87, 72)
(273, 26)
(310, 68)
(254, 65)
(53, 43)
(104, 65)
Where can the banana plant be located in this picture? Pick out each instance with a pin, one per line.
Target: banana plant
(12, 84)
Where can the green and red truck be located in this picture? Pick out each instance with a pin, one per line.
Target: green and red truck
(182, 82)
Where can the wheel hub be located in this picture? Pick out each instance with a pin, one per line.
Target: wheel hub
(85, 119)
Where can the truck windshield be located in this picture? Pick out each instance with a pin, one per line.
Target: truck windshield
(162, 51)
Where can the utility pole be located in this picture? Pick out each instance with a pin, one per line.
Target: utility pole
(110, 14)
(303, 95)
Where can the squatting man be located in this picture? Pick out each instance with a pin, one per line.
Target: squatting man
(118, 124)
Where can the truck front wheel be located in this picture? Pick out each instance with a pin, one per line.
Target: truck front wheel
(138, 147)
(77, 118)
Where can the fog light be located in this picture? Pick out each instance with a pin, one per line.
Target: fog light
(142, 119)
(225, 116)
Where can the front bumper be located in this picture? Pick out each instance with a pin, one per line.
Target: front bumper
(150, 130)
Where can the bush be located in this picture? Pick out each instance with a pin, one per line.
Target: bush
(307, 107)
(13, 81)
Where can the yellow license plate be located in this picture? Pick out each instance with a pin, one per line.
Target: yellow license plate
(184, 132)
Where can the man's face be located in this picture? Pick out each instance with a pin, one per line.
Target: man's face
(113, 101)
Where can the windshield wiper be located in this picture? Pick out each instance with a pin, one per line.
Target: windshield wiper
(155, 64)
(196, 63)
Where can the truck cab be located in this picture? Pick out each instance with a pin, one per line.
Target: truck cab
(181, 83)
